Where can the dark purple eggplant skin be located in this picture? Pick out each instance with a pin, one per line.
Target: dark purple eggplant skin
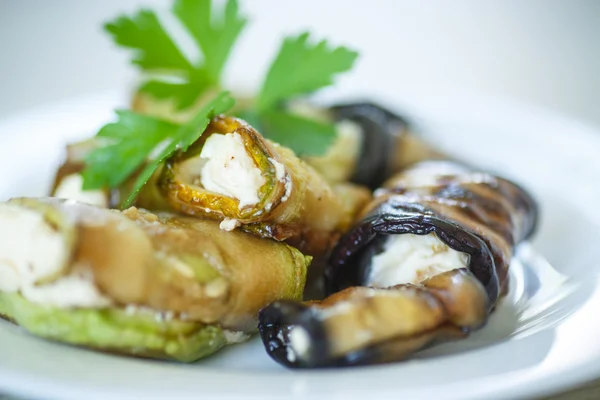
(382, 129)
(350, 260)
(275, 321)
(277, 318)
(472, 212)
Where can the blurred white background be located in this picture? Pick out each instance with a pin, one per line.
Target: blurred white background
(543, 52)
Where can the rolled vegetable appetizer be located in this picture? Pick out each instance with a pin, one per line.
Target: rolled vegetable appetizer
(137, 283)
(372, 142)
(68, 183)
(234, 175)
(427, 261)
(387, 143)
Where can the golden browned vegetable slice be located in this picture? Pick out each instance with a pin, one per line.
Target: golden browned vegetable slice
(183, 266)
(372, 142)
(236, 176)
(211, 275)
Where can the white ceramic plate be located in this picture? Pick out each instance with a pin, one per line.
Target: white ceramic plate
(543, 337)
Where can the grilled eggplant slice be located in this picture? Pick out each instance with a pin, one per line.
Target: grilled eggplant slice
(373, 143)
(207, 281)
(471, 212)
(439, 233)
(381, 132)
(364, 325)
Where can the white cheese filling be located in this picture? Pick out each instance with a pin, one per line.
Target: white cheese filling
(74, 290)
(233, 337)
(298, 343)
(71, 188)
(30, 249)
(229, 224)
(229, 170)
(411, 258)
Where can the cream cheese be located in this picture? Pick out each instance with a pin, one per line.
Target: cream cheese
(74, 290)
(411, 258)
(229, 224)
(71, 187)
(233, 337)
(33, 256)
(30, 249)
(298, 343)
(229, 170)
(279, 169)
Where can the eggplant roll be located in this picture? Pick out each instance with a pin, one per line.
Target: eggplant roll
(137, 283)
(427, 261)
(372, 143)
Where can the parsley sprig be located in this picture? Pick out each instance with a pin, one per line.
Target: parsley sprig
(300, 68)
(213, 31)
(135, 144)
(129, 144)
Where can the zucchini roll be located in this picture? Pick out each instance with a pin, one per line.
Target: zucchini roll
(132, 282)
(427, 261)
(68, 183)
(234, 175)
(372, 142)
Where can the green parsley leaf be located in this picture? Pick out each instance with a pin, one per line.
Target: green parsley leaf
(127, 144)
(184, 94)
(304, 136)
(215, 33)
(185, 136)
(300, 68)
(124, 147)
(153, 47)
